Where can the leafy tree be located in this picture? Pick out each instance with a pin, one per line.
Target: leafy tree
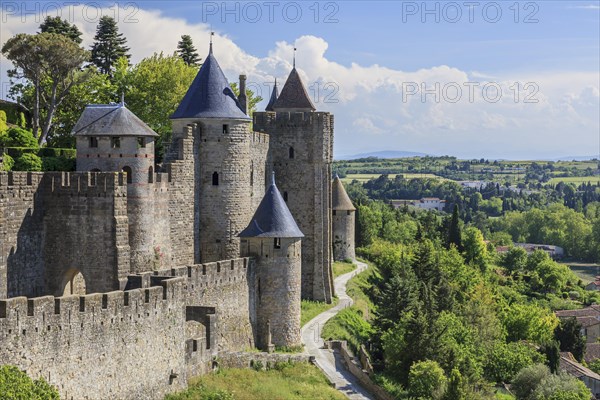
(506, 360)
(17, 137)
(252, 99)
(454, 235)
(16, 385)
(529, 322)
(427, 380)
(187, 51)
(474, 248)
(6, 163)
(62, 27)
(551, 351)
(528, 380)
(109, 45)
(52, 64)
(568, 334)
(562, 387)
(514, 260)
(28, 162)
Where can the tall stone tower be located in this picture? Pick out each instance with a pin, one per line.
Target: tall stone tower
(300, 152)
(111, 138)
(274, 240)
(224, 177)
(343, 222)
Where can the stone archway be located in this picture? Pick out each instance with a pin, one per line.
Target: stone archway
(73, 283)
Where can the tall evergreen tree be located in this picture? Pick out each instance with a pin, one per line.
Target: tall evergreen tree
(454, 235)
(109, 45)
(62, 27)
(187, 51)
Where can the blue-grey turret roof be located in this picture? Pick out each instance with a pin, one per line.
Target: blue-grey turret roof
(210, 95)
(272, 218)
(110, 120)
(273, 99)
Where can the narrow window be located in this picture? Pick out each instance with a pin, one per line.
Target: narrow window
(333, 212)
(150, 175)
(225, 128)
(141, 142)
(115, 142)
(291, 151)
(215, 179)
(252, 174)
(129, 173)
(285, 196)
(347, 212)
(277, 243)
(93, 141)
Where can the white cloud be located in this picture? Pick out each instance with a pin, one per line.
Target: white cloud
(372, 107)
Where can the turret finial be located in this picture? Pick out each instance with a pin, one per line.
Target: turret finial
(294, 57)
(210, 50)
(273, 178)
(122, 99)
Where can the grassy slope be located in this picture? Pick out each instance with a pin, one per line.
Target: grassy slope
(311, 309)
(294, 382)
(341, 268)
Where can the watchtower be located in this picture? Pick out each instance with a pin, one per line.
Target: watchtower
(343, 222)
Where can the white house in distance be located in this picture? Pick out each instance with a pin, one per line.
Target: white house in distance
(426, 203)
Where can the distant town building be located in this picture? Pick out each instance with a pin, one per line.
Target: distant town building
(569, 364)
(554, 252)
(426, 203)
(595, 285)
(588, 317)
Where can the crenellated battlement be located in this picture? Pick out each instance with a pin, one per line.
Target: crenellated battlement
(266, 121)
(16, 179)
(259, 137)
(213, 274)
(22, 311)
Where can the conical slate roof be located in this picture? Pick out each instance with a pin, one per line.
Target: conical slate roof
(272, 218)
(110, 120)
(210, 95)
(294, 95)
(339, 197)
(273, 99)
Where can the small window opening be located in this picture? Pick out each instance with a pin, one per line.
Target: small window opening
(285, 196)
(150, 175)
(93, 141)
(348, 212)
(115, 142)
(277, 243)
(129, 173)
(333, 212)
(291, 151)
(141, 142)
(215, 179)
(225, 128)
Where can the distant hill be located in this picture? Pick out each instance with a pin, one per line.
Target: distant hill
(384, 154)
(576, 158)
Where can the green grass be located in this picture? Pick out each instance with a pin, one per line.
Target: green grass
(586, 272)
(287, 381)
(310, 309)
(352, 323)
(341, 268)
(576, 179)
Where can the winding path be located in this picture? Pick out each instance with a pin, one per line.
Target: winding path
(328, 361)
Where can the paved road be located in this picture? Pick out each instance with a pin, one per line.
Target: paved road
(326, 359)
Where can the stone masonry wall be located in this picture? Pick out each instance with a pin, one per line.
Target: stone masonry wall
(85, 230)
(300, 153)
(21, 233)
(117, 345)
(343, 235)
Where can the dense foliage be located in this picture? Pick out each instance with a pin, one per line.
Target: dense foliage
(16, 385)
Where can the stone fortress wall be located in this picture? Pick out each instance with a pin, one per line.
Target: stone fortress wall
(97, 346)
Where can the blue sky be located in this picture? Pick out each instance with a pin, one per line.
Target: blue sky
(371, 50)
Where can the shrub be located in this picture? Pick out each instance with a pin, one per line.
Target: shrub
(28, 162)
(18, 137)
(58, 164)
(7, 163)
(427, 380)
(3, 125)
(16, 385)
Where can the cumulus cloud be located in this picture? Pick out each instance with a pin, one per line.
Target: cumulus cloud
(437, 110)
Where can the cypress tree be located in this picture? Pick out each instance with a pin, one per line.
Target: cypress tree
(187, 51)
(454, 235)
(61, 27)
(109, 45)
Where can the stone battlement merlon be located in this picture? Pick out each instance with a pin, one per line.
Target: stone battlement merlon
(209, 274)
(267, 120)
(13, 311)
(19, 178)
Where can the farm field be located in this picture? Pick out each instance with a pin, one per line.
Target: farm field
(576, 179)
(366, 177)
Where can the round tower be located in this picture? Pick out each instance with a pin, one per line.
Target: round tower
(274, 240)
(223, 162)
(342, 222)
(110, 138)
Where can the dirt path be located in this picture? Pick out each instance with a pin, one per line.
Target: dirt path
(329, 362)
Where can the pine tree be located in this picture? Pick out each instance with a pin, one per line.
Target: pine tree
(454, 235)
(187, 51)
(109, 45)
(62, 27)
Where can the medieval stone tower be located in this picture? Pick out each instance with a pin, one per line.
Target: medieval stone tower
(300, 153)
(343, 222)
(111, 138)
(273, 239)
(224, 176)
